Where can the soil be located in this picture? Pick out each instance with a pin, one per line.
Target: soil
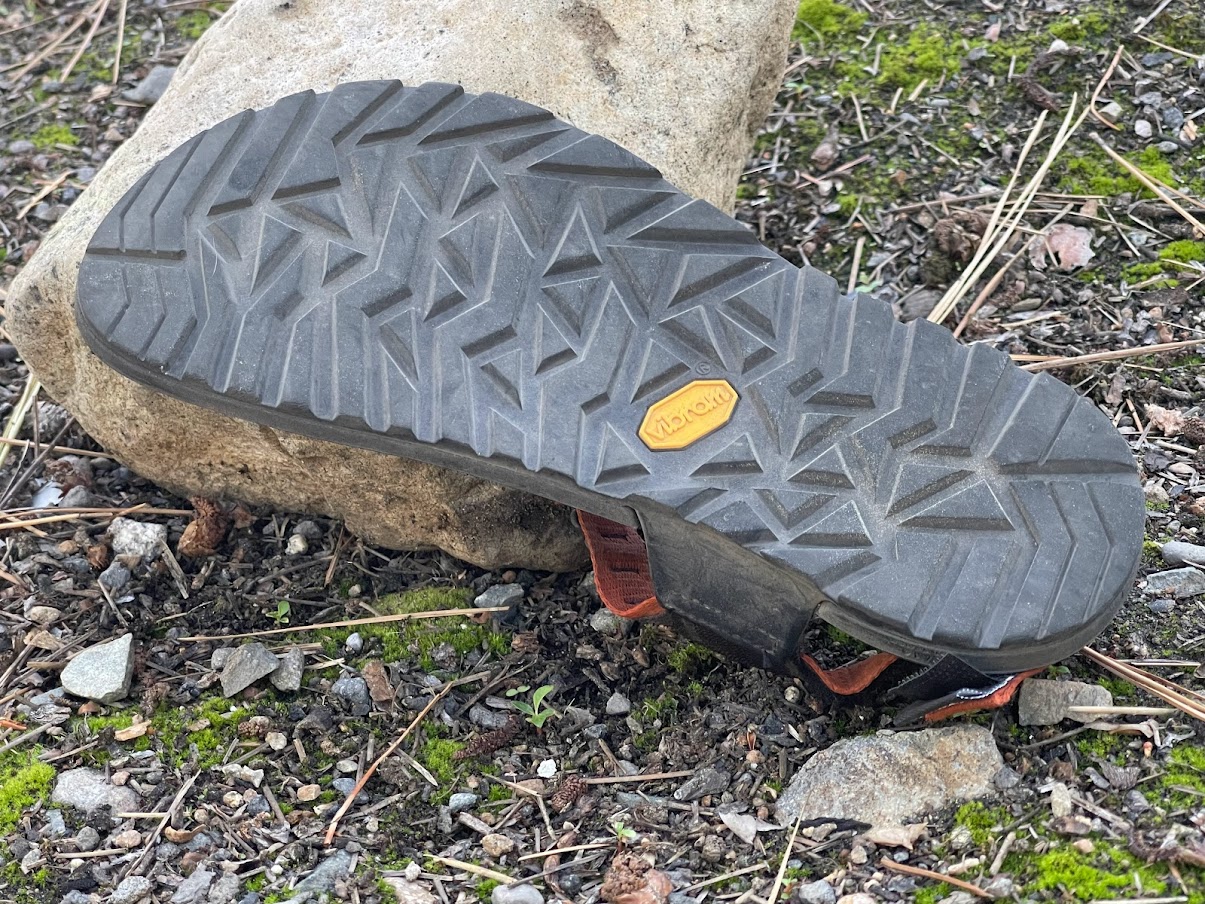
(897, 127)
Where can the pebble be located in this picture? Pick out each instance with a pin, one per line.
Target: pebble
(618, 705)
(462, 800)
(818, 892)
(1173, 119)
(75, 896)
(354, 643)
(1060, 800)
(346, 786)
(354, 690)
(194, 889)
(151, 88)
(1161, 607)
(574, 719)
(102, 672)
(21, 146)
(604, 621)
(410, 892)
(489, 719)
(276, 740)
(43, 615)
(240, 773)
(86, 789)
(1167, 147)
(322, 879)
(87, 839)
(1179, 553)
(115, 577)
(516, 894)
(136, 538)
(1045, 702)
(131, 890)
(1111, 110)
(497, 845)
(708, 780)
(287, 676)
(1179, 582)
(1142, 128)
(307, 793)
(55, 826)
(85, 174)
(32, 860)
(546, 769)
(508, 595)
(130, 838)
(224, 890)
(297, 545)
(245, 666)
(347, 767)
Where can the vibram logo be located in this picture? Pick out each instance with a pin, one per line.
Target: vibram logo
(688, 415)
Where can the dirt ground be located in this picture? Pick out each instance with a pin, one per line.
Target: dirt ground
(897, 128)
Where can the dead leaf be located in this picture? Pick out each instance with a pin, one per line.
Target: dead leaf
(204, 534)
(1070, 247)
(377, 679)
(632, 880)
(1072, 825)
(42, 640)
(180, 836)
(826, 152)
(993, 32)
(137, 730)
(746, 827)
(1121, 778)
(1169, 420)
(896, 836)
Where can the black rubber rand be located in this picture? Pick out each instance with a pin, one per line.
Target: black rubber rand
(468, 281)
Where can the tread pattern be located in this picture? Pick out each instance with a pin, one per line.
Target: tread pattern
(470, 273)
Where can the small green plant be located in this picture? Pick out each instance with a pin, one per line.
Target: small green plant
(622, 833)
(535, 712)
(281, 615)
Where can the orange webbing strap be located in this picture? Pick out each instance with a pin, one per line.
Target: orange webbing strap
(621, 567)
(853, 678)
(998, 698)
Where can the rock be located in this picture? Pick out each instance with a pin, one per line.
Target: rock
(87, 838)
(707, 780)
(516, 894)
(151, 88)
(307, 793)
(55, 826)
(138, 539)
(102, 672)
(1161, 607)
(1142, 128)
(818, 892)
(604, 621)
(224, 890)
(354, 691)
(43, 615)
(497, 845)
(354, 643)
(287, 676)
(325, 874)
(1180, 583)
(127, 840)
(217, 659)
(1112, 110)
(240, 773)
(1045, 702)
(195, 888)
(21, 146)
(75, 896)
(685, 85)
(462, 800)
(245, 666)
(618, 705)
(86, 789)
(408, 892)
(297, 545)
(1060, 800)
(1178, 553)
(546, 769)
(889, 778)
(505, 595)
(489, 719)
(131, 890)
(573, 719)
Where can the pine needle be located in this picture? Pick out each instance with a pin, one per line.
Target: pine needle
(17, 416)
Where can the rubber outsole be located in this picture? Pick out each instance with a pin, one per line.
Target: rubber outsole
(468, 281)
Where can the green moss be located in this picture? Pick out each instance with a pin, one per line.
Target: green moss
(438, 755)
(1099, 745)
(23, 782)
(485, 888)
(50, 136)
(193, 24)
(831, 21)
(1184, 251)
(36, 888)
(925, 55)
(1119, 688)
(1103, 874)
(981, 821)
(663, 708)
(689, 658)
(931, 894)
(1185, 770)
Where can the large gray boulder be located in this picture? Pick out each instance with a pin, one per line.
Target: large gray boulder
(684, 85)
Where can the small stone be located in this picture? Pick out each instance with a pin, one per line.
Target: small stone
(1180, 553)
(618, 705)
(139, 539)
(322, 879)
(546, 769)
(410, 892)
(1167, 147)
(1161, 607)
(818, 892)
(1112, 110)
(462, 800)
(130, 838)
(75, 896)
(115, 577)
(195, 888)
(516, 894)
(233, 800)
(347, 767)
(32, 860)
(497, 845)
(21, 146)
(573, 719)
(1179, 582)
(291, 667)
(506, 595)
(354, 690)
(1045, 702)
(1149, 99)
(311, 530)
(224, 890)
(87, 839)
(604, 621)
(297, 545)
(131, 890)
(151, 88)
(354, 643)
(276, 740)
(376, 676)
(708, 780)
(346, 786)
(1084, 845)
(240, 773)
(307, 793)
(1060, 800)
(102, 672)
(86, 789)
(1000, 888)
(55, 826)
(1006, 778)
(489, 719)
(245, 666)
(43, 615)
(1142, 128)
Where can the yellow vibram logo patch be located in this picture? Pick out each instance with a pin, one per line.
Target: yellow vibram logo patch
(688, 415)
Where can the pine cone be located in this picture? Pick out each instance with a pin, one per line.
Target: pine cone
(570, 789)
(1194, 430)
(484, 745)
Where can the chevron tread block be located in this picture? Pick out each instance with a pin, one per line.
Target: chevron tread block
(465, 280)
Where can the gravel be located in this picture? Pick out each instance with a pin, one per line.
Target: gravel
(102, 672)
